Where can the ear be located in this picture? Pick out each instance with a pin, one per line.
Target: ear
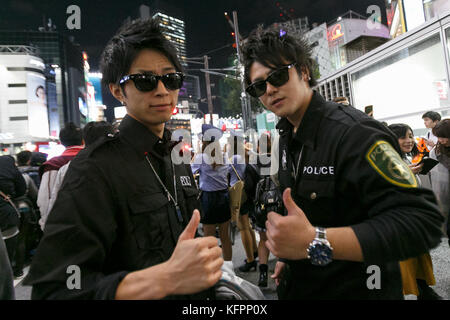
(305, 74)
(117, 92)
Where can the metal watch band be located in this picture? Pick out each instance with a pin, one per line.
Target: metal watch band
(321, 233)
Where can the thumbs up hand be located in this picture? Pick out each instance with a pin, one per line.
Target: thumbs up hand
(289, 236)
(195, 263)
(191, 228)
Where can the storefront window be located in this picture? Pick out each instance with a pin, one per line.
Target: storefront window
(434, 7)
(447, 35)
(405, 85)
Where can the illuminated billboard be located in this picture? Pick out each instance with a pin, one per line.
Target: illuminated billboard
(37, 106)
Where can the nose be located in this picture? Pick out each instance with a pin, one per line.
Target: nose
(161, 89)
(270, 89)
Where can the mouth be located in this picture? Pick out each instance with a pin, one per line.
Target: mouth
(161, 106)
(277, 102)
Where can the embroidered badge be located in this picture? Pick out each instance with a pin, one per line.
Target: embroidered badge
(388, 163)
(185, 181)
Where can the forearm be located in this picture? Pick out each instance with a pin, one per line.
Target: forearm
(149, 284)
(345, 244)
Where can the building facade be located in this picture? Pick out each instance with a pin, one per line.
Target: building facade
(23, 97)
(402, 79)
(64, 64)
(406, 15)
(343, 40)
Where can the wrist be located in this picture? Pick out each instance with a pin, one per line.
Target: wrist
(146, 284)
(320, 251)
(166, 279)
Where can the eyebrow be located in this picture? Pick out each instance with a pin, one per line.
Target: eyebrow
(260, 78)
(151, 71)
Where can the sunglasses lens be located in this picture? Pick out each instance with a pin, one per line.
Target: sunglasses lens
(257, 89)
(279, 77)
(147, 83)
(173, 81)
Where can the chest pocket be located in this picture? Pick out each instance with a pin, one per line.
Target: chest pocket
(191, 200)
(149, 220)
(317, 199)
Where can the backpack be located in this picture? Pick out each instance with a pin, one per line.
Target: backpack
(29, 226)
(232, 287)
(267, 198)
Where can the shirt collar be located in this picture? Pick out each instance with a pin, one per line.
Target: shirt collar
(307, 132)
(143, 140)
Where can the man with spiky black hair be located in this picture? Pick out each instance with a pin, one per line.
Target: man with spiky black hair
(353, 206)
(125, 218)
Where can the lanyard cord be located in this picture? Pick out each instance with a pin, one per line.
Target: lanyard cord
(294, 168)
(169, 195)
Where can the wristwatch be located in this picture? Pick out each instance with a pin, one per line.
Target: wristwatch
(320, 251)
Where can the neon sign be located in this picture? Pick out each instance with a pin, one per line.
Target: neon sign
(335, 32)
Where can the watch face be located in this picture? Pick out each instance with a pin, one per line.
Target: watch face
(320, 254)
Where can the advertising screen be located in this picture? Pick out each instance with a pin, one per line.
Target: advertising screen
(37, 106)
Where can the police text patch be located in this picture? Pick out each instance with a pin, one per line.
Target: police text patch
(388, 163)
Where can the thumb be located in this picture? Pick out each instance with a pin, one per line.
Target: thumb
(275, 274)
(289, 203)
(191, 228)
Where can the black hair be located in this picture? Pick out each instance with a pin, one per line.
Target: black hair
(274, 50)
(442, 130)
(40, 87)
(94, 130)
(70, 135)
(400, 130)
(38, 158)
(23, 157)
(130, 39)
(434, 116)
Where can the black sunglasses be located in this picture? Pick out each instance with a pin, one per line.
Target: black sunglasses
(147, 82)
(276, 78)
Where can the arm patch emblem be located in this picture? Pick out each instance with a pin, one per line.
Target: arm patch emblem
(388, 163)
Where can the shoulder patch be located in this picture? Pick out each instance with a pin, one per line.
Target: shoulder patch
(388, 163)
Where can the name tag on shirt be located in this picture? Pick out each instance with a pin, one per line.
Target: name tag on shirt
(185, 181)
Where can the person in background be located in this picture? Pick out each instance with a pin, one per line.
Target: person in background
(93, 131)
(13, 185)
(253, 174)
(28, 208)
(417, 273)
(407, 144)
(430, 119)
(6, 274)
(213, 168)
(24, 166)
(37, 160)
(239, 160)
(32, 172)
(71, 137)
(442, 153)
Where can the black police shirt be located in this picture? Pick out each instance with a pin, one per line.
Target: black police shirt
(350, 173)
(112, 216)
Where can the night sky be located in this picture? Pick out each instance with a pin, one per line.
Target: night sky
(206, 27)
